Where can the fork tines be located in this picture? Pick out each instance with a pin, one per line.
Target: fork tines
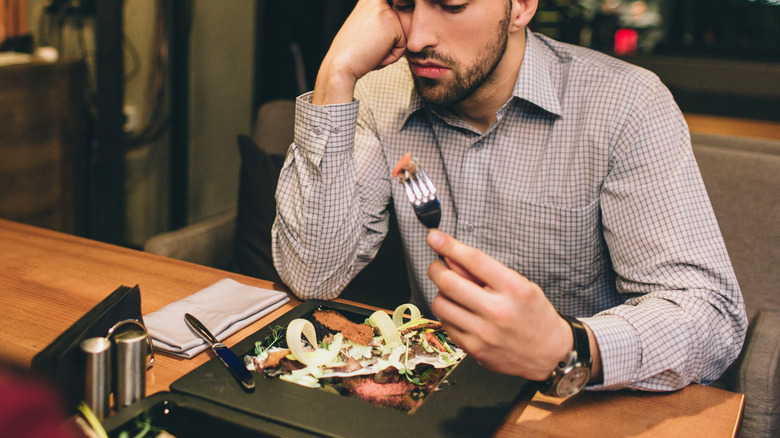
(422, 195)
(419, 188)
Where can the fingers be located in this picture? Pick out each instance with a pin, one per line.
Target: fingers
(458, 294)
(480, 267)
(370, 38)
(458, 269)
(454, 315)
(459, 288)
(395, 53)
(457, 321)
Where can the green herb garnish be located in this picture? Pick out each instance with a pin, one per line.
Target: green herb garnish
(277, 334)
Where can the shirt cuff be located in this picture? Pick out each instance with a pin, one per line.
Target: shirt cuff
(618, 344)
(329, 125)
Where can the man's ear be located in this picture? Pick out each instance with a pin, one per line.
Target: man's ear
(522, 13)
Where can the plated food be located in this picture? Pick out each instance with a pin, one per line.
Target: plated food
(405, 168)
(393, 362)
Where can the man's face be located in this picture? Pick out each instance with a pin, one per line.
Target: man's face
(453, 46)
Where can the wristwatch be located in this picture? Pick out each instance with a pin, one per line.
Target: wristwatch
(573, 373)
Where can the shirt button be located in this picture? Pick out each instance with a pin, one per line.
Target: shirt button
(469, 227)
(478, 147)
(335, 129)
(317, 130)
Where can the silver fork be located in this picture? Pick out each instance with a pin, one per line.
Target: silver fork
(422, 194)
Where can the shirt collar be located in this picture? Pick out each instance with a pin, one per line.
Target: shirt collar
(534, 83)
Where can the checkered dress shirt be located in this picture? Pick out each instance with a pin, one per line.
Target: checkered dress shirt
(586, 184)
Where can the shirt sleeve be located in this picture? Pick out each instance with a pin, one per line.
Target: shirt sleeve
(684, 319)
(331, 213)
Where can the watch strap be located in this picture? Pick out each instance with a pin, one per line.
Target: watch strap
(579, 356)
(581, 341)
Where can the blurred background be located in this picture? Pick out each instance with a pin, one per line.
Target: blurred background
(119, 119)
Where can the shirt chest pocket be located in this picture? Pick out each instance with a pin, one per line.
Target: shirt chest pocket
(561, 249)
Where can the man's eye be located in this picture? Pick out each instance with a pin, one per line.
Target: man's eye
(403, 6)
(454, 8)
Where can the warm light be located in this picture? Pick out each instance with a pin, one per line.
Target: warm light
(626, 42)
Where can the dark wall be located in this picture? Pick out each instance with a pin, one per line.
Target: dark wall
(293, 37)
(738, 29)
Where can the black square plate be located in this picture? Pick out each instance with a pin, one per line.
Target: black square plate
(473, 403)
(183, 415)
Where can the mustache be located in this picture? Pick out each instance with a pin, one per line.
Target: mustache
(429, 55)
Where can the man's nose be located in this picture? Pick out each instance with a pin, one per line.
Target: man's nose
(421, 31)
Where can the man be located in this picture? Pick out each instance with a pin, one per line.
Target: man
(566, 176)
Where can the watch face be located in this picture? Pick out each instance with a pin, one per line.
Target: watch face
(573, 382)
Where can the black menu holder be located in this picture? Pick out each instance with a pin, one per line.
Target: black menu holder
(63, 363)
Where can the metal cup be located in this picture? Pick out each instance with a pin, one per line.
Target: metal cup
(131, 348)
(97, 387)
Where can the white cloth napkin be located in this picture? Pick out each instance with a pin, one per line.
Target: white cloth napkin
(224, 308)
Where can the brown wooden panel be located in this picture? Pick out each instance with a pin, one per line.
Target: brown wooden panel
(42, 145)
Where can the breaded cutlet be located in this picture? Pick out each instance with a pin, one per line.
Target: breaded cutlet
(358, 333)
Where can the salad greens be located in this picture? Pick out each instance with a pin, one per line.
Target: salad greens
(393, 362)
(277, 334)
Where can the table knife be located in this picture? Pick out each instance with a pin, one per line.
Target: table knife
(228, 358)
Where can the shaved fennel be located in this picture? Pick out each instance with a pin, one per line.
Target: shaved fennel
(318, 357)
(387, 329)
(398, 314)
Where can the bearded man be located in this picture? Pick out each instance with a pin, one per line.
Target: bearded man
(580, 245)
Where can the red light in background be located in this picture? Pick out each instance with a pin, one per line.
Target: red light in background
(626, 42)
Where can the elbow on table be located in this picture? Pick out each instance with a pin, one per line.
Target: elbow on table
(305, 296)
(306, 290)
(306, 284)
(307, 280)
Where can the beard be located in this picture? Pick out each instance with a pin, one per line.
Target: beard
(467, 79)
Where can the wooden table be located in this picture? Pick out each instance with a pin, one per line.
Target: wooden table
(733, 126)
(48, 280)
